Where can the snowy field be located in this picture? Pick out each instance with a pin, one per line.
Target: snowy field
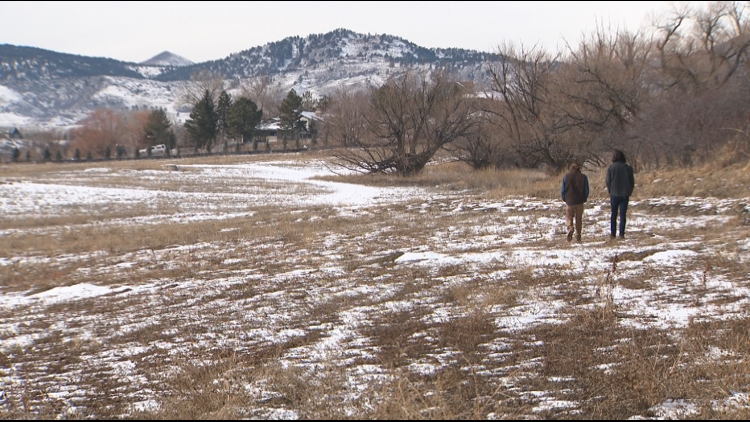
(254, 290)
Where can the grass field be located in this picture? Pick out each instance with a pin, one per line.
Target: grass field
(269, 287)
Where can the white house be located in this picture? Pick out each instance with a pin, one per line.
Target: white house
(269, 130)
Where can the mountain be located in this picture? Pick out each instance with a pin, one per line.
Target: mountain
(166, 58)
(48, 89)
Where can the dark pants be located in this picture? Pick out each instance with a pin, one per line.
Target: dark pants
(619, 204)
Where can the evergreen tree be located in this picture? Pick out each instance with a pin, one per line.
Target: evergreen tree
(107, 153)
(158, 130)
(15, 154)
(203, 123)
(28, 156)
(77, 155)
(58, 156)
(223, 108)
(290, 115)
(47, 155)
(244, 116)
(88, 156)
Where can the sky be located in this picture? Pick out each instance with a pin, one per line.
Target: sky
(200, 31)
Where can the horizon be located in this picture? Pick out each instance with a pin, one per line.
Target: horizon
(250, 48)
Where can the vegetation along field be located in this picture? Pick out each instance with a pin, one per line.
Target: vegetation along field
(268, 287)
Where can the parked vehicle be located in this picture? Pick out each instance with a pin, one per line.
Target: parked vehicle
(160, 149)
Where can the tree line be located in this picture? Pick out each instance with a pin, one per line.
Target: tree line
(675, 95)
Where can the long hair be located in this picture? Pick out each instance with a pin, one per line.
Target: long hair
(618, 156)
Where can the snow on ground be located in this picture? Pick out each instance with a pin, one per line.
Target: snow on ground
(264, 294)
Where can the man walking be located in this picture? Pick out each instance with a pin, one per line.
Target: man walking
(575, 192)
(620, 183)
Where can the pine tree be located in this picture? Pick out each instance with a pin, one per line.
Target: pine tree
(77, 155)
(243, 117)
(223, 107)
(290, 115)
(203, 123)
(46, 155)
(15, 154)
(158, 130)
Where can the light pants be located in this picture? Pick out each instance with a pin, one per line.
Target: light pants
(574, 212)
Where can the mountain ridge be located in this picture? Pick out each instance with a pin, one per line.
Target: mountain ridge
(49, 89)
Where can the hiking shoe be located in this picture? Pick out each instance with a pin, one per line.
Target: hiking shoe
(578, 238)
(570, 236)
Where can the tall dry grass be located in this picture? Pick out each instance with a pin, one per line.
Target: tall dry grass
(447, 321)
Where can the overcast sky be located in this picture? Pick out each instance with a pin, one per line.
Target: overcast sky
(135, 31)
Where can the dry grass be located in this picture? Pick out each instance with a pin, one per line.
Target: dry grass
(304, 312)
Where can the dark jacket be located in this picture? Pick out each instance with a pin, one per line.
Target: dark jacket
(575, 188)
(620, 180)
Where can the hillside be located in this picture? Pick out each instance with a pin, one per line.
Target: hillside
(49, 89)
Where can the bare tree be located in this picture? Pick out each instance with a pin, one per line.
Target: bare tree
(702, 49)
(602, 84)
(102, 130)
(700, 77)
(265, 93)
(481, 148)
(409, 119)
(530, 111)
(345, 124)
(135, 128)
(192, 91)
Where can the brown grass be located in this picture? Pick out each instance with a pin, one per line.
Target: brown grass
(215, 285)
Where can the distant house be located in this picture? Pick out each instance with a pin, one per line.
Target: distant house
(309, 117)
(269, 130)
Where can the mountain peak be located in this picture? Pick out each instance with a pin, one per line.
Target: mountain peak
(167, 58)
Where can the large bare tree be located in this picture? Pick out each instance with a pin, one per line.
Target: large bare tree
(602, 81)
(703, 48)
(409, 119)
(529, 109)
(102, 129)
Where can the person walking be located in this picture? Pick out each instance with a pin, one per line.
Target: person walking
(620, 184)
(575, 192)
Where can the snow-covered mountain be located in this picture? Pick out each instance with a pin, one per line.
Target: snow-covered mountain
(48, 89)
(167, 58)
